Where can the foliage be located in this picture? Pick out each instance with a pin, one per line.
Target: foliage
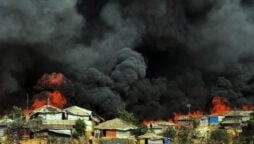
(80, 128)
(15, 129)
(15, 113)
(170, 132)
(185, 135)
(219, 136)
(248, 132)
(130, 117)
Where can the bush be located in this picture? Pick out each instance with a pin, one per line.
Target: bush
(219, 136)
(170, 132)
(130, 117)
(80, 128)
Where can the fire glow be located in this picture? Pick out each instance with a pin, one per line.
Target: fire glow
(54, 98)
(51, 79)
(219, 106)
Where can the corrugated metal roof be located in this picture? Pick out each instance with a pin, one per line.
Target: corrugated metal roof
(116, 124)
(46, 109)
(75, 110)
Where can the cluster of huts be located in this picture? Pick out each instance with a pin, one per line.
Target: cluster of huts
(50, 122)
(233, 122)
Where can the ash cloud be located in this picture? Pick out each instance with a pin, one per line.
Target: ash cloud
(150, 57)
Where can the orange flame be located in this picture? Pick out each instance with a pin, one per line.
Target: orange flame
(51, 79)
(247, 107)
(219, 106)
(55, 98)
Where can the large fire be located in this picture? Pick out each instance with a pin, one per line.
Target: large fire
(51, 79)
(219, 106)
(55, 98)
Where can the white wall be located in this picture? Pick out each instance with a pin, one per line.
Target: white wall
(155, 141)
(74, 117)
(2, 131)
(57, 116)
(123, 134)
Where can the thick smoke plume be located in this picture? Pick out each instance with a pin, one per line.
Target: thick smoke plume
(150, 57)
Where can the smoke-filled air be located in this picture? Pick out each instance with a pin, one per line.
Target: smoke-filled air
(149, 57)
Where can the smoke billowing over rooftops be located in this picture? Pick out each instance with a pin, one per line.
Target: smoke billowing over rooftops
(150, 57)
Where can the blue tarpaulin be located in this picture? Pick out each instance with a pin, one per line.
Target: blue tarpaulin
(214, 119)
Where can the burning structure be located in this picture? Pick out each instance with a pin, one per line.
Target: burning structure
(149, 57)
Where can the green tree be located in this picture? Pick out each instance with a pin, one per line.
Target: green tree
(170, 132)
(80, 128)
(248, 132)
(219, 136)
(15, 129)
(185, 135)
(16, 112)
(130, 117)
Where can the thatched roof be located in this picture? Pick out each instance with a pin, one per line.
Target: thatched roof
(46, 109)
(116, 124)
(75, 110)
(150, 136)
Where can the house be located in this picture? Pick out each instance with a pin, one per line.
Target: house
(186, 121)
(47, 112)
(74, 113)
(203, 121)
(51, 122)
(4, 123)
(234, 121)
(150, 138)
(115, 128)
(54, 133)
(159, 127)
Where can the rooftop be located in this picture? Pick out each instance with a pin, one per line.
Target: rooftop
(116, 124)
(75, 110)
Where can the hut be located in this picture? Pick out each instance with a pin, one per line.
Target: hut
(74, 113)
(116, 128)
(4, 123)
(186, 121)
(150, 138)
(47, 112)
(235, 121)
(159, 127)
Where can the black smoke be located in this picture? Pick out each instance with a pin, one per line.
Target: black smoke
(147, 56)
